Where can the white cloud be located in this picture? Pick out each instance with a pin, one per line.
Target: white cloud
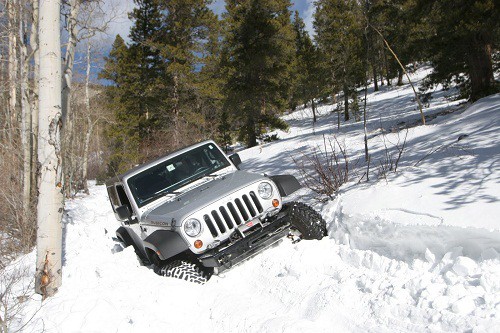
(308, 17)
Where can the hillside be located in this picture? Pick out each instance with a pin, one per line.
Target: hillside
(412, 251)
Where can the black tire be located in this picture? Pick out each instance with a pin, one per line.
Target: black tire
(306, 220)
(185, 270)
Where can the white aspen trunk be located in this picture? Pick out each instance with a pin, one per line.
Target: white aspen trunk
(13, 66)
(50, 201)
(90, 125)
(69, 58)
(25, 115)
(67, 115)
(34, 98)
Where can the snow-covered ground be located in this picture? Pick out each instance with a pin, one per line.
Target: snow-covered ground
(417, 250)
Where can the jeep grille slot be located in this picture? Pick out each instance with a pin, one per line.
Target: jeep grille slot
(235, 215)
(210, 225)
(226, 217)
(242, 210)
(249, 206)
(218, 220)
(256, 202)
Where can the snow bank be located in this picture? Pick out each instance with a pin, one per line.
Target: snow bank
(415, 252)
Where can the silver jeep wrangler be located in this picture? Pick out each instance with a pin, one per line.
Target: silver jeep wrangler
(193, 213)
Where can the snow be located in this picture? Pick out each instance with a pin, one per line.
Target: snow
(417, 250)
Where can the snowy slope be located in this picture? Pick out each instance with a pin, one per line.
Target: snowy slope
(417, 251)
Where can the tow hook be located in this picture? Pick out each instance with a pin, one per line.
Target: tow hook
(225, 261)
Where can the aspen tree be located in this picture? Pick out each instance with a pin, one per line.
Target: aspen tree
(50, 201)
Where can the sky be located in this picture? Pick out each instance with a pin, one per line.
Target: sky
(122, 24)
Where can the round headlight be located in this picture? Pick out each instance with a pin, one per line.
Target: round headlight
(265, 190)
(192, 227)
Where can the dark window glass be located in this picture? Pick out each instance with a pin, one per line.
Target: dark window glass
(176, 172)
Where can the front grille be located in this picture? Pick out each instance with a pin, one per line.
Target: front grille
(227, 217)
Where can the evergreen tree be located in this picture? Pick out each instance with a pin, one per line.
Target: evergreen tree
(339, 32)
(159, 95)
(123, 135)
(310, 78)
(223, 129)
(136, 94)
(461, 38)
(394, 20)
(144, 34)
(186, 25)
(260, 46)
(299, 76)
(211, 79)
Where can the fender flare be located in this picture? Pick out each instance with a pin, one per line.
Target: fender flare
(287, 184)
(165, 243)
(129, 238)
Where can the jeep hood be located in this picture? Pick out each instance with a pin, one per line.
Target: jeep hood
(188, 202)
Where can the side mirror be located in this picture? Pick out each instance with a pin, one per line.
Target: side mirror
(124, 213)
(235, 158)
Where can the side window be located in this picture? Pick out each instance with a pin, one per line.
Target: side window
(113, 197)
(122, 196)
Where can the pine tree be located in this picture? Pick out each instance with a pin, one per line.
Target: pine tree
(394, 20)
(460, 37)
(124, 134)
(186, 25)
(160, 97)
(260, 46)
(223, 129)
(310, 79)
(211, 79)
(339, 32)
(148, 71)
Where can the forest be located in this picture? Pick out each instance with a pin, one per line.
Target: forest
(186, 74)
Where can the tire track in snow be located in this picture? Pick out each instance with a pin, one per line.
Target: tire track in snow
(421, 277)
(409, 242)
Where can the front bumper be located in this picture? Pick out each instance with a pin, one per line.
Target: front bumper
(229, 254)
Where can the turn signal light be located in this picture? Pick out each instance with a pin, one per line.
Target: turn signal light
(276, 203)
(198, 244)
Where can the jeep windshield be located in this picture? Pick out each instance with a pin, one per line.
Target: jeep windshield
(176, 172)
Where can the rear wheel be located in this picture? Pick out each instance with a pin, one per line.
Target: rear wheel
(184, 270)
(306, 221)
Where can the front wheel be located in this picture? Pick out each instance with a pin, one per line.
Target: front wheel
(184, 270)
(306, 221)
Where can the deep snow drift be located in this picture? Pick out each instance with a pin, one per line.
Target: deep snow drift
(417, 250)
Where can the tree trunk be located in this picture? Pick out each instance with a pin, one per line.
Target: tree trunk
(175, 99)
(400, 77)
(50, 202)
(386, 64)
(375, 83)
(371, 55)
(380, 63)
(251, 136)
(313, 106)
(11, 117)
(90, 125)
(69, 59)
(67, 115)
(365, 130)
(25, 115)
(34, 98)
(346, 102)
(481, 68)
